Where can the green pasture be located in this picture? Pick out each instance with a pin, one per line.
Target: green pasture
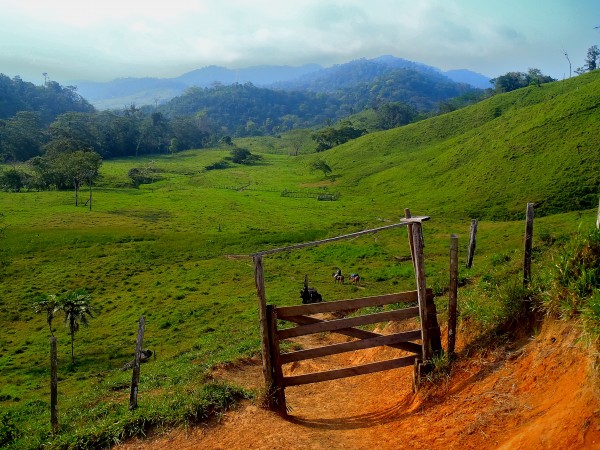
(177, 251)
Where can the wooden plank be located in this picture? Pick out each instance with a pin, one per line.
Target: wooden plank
(452, 294)
(421, 288)
(278, 388)
(53, 386)
(135, 377)
(259, 281)
(528, 245)
(341, 305)
(472, 243)
(358, 333)
(403, 223)
(350, 346)
(408, 215)
(363, 369)
(338, 324)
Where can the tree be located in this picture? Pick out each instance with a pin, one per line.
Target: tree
(21, 136)
(48, 304)
(516, 80)
(319, 164)
(592, 59)
(77, 308)
(394, 114)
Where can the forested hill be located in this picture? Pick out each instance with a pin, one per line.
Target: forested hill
(49, 100)
(247, 109)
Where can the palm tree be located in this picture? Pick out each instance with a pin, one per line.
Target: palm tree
(77, 308)
(47, 303)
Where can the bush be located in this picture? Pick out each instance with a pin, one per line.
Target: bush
(575, 287)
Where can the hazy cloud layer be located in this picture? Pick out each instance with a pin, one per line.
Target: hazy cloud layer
(104, 40)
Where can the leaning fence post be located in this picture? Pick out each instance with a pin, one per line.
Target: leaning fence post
(418, 262)
(135, 378)
(259, 280)
(53, 385)
(472, 242)
(453, 293)
(528, 245)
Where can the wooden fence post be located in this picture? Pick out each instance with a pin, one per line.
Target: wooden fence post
(408, 215)
(453, 294)
(421, 288)
(53, 385)
(278, 387)
(528, 245)
(472, 242)
(135, 378)
(267, 353)
(598, 217)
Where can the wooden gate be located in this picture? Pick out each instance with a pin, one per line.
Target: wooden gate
(428, 332)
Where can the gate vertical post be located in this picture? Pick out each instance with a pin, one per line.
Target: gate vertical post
(259, 280)
(278, 386)
(417, 234)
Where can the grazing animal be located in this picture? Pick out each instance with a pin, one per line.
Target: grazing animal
(354, 278)
(308, 294)
(338, 277)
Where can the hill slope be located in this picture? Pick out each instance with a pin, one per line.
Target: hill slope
(536, 144)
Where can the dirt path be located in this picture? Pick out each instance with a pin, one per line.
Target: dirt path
(537, 397)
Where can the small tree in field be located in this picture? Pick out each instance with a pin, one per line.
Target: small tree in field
(319, 164)
(48, 304)
(77, 309)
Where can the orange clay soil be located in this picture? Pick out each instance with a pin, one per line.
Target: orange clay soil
(540, 395)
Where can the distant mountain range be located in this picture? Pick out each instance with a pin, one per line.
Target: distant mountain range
(122, 92)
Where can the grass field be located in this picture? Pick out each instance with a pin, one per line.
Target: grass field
(176, 251)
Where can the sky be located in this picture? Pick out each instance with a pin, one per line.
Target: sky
(101, 40)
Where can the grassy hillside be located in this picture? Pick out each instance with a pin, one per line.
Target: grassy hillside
(168, 250)
(537, 144)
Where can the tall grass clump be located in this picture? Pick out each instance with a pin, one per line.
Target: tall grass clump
(575, 287)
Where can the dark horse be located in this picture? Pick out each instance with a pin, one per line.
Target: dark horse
(309, 295)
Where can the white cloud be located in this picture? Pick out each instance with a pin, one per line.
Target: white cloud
(81, 39)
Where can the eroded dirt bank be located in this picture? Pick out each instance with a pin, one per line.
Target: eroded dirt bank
(537, 396)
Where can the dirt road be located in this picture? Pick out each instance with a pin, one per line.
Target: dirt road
(538, 396)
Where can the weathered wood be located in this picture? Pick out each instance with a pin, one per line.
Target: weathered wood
(357, 333)
(404, 222)
(472, 243)
(408, 215)
(452, 294)
(528, 245)
(363, 369)
(421, 289)
(339, 324)
(278, 388)
(598, 217)
(362, 344)
(343, 305)
(53, 386)
(135, 378)
(434, 333)
(264, 328)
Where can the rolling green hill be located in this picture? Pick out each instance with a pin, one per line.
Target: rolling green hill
(168, 251)
(537, 144)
